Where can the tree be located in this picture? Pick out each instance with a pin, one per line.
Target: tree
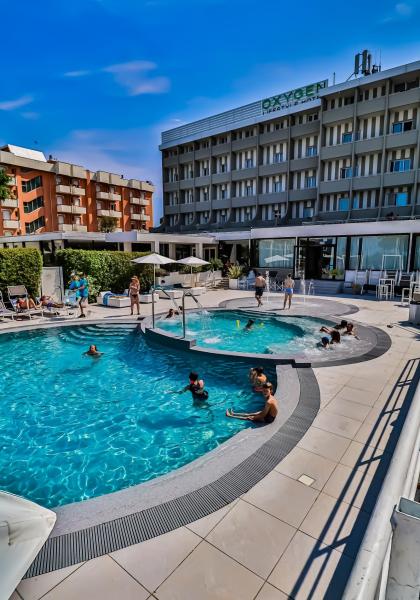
(5, 181)
(108, 224)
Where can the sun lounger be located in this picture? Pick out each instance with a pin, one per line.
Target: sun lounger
(15, 292)
(4, 311)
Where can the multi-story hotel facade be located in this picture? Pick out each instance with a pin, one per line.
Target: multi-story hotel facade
(316, 180)
(50, 195)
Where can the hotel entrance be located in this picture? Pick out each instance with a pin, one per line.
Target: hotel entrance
(320, 258)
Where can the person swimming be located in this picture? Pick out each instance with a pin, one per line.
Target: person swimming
(93, 351)
(196, 387)
(266, 415)
(171, 313)
(249, 325)
(257, 378)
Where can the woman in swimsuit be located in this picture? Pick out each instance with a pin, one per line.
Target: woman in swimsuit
(134, 293)
(267, 414)
(196, 387)
(93, 351)
(257, 378)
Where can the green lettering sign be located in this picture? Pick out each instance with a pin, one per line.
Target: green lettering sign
(286, 99)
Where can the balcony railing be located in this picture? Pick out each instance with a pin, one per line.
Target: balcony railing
(71, 227)
(70, 209)
(9, 203)
(9, 224)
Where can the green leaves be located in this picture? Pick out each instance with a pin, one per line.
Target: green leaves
(20, 266)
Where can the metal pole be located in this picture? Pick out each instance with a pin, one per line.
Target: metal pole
(183, 314)
(153, 307)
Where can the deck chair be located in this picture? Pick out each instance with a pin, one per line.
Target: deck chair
(15, 292)
(4, 311)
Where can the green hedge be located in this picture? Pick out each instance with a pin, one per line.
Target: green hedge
(20, 266)
(110, 270)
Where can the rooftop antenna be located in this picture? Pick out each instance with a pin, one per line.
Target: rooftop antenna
(363, 65)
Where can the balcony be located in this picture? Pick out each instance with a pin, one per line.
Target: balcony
(139, 217)
(70, 209)
(72, 227)
(102, 195)
(81, 228)
(9, 224)
(77, 191)
(62, 189)
(9, 203)
(109, 213)
(115, 197)
(69, 189)
(139, 201)
(12, 180)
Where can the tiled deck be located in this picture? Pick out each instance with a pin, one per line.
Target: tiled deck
(296, 533)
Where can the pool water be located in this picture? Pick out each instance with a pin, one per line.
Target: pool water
(225, 330)
(73, 427)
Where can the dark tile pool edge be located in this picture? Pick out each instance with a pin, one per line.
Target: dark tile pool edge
(75, 547)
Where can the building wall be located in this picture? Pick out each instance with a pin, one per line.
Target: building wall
(56, 196)
(353, 156)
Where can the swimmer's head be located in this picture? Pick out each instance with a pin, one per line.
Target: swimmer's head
(267, 389)
(92, 348)
(193, 376)
(325, 341)
(342, 325)
(259, 370)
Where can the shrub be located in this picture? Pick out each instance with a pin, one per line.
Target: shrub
(216, 264)
(110, 270)
(234, 272)
(20, 266)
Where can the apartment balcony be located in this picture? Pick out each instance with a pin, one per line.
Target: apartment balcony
(9, 203)
(109, 213)
(243, 144)
(336, 186)
(202, 153)
(244, 201)
(398, 178)
(302, 194)
(275, 168)
(136, 217)
(336, 151)
(70, 209)
(115, 197)
(221, 177)
(306, 162)
(12, 180)
(72, 227)
(69, 189)
(401, 140)
(187, 157)
(369, 107)
(102, 195)
(139, 201)
(272, 137)
(273, 198)
(246, 173)
(171, 186)
(65, 227)
(80, 228)
(367, 182)
(170, 161)
(404, 98)
(221, 149)
(9, 224)
(305, 129)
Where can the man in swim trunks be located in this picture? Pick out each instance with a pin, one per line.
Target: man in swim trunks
(289, 285)
(267, 414)
(196, 387)
(260, 284)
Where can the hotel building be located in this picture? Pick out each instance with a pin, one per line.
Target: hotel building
(317, 180)
(54, 196)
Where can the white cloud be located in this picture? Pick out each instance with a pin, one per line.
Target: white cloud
(130, 67)
(81, 73)
(17, 103)
(401, 11)
(30, 115)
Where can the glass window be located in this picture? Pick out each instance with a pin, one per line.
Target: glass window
(346, 137)
(379, 252)
(417, 254)
(403, 164)
(310, 182)
(277, 186)
(343, 204)
(346, 172)
(340, 256)
(275, 253)
(397, 127)
(311, 151)
(278, 157)
(401, 199)
(249, 163)
(308, 213)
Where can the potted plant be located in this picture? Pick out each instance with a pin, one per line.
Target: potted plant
(234, 273)
(336, 273)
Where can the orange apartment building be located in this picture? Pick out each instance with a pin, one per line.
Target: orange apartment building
(50, 195)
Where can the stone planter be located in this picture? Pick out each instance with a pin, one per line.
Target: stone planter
(233, 284)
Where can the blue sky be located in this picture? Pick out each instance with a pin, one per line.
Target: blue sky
(94, 82)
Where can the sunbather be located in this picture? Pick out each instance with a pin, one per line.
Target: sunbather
(49, 302)
(26, 303)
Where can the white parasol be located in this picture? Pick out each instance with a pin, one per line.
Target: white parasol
(153, 259)
(193, 261)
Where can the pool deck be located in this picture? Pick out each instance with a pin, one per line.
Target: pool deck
(295, 534)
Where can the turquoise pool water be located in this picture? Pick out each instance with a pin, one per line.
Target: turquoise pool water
(225, 330)
(73, 427)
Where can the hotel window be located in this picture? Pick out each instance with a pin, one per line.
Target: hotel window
(343, 204)
(249, 190)
(278, 157)
(403, 164)
(347, 172)
(402, 126)
(311, 151)
(277, 186)
(223, 168)
(308, 212)
(346, 137)
(356, 203)
(223, 194)
(32, 227)
(249, 163)
(29, 207)
(32, 184)
(310, 182)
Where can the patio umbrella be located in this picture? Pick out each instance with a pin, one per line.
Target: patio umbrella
(153, 259)
(193, 261)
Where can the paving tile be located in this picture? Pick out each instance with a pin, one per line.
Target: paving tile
(35, 587)
(268, 592)
(337, 424)
(367, 384)
(356, 487)
(309, 569)
(98, 579)
(347, 408)
(252, 537)
(282, 497)
(378, 434)
(324, 443)
(15, 596)
(336, 524)
(208, 574)
(203, 526)
(361, 396)
(301, 462)
(152, 561)
(365, 457)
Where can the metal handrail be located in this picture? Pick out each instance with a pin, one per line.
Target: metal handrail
(187, 293)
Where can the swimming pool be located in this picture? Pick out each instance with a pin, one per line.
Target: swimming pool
(225, 330)
(73, 427)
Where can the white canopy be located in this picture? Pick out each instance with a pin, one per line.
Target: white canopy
(193, 261)
(153, 259)
(24, 528)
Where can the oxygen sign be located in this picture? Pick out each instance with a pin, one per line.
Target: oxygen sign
(286, 99)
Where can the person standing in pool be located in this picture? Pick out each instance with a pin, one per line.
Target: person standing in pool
(266, 415)
(289, 285)
(196, 387)
(260, 284)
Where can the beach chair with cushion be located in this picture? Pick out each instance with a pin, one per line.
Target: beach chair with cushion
(15, 292)
(4, 311)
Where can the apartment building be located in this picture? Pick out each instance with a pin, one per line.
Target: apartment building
(50, 195)
(338, 155)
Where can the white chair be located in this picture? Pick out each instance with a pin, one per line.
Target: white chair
(383, 291)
